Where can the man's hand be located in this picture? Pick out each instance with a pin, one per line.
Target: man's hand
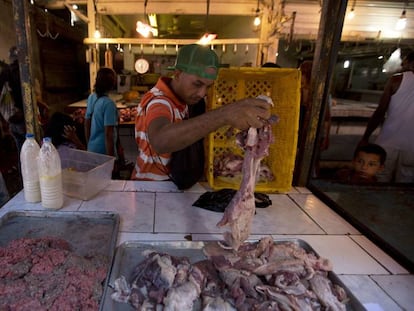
(248, 112)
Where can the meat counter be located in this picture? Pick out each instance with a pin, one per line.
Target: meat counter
(157, 211)
(127, 110)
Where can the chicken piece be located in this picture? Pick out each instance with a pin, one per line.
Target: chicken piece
(322, 288)
(239, 213)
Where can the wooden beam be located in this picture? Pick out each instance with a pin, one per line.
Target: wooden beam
(171, 41)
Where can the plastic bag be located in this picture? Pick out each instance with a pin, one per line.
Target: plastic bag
(7, 107)
(217, 201)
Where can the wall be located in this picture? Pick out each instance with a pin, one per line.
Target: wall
(7, 32)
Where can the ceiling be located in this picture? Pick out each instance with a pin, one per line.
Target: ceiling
(184, 19)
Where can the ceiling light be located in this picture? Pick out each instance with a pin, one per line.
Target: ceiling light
(207, 38)
(97, 34)
(257, 20)
(145, 29)
(402, 21)
(351, 13)
(346, 64)
(153, 20)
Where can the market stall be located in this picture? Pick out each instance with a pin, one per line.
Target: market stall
(157, 211)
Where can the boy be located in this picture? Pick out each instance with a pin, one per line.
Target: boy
(367, 162)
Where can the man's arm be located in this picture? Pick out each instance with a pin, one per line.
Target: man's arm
(378, 116)
(165, 136)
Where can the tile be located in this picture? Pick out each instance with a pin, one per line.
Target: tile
(368, 293)
(283, 217)
(18, 203)
(132, 236)
(347, 257)
(383, 258)
(136, 210)
(116, 185)
(174, 213)
(398, 287)
(303, 190)
(160, 186)
(323, 215)
(151, 186)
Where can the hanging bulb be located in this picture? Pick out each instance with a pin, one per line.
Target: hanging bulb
(97, 34)
(351, 14)
(402, 21)
(256, 21)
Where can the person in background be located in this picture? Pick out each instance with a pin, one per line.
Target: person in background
(64, 131)
(11, 75)
(10, 180)
(161, 125)
(396, 111)
(367, 162)
(101, 118)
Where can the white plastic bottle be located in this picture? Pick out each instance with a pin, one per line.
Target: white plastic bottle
(50, 175)
(28, 163)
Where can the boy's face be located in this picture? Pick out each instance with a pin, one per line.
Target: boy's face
(367, 164)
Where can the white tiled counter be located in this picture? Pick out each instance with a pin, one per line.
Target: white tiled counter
(157, 211)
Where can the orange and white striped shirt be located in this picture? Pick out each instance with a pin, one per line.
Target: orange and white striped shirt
(160, 101)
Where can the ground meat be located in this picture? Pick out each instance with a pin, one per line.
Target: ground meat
(44, 274)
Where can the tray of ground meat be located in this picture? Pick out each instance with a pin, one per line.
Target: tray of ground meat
(55, 260)
(262, 275)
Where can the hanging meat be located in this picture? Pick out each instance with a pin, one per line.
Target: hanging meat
(239, 213)
(109, 59)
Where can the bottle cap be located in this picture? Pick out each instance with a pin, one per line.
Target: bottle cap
(47, 139)
(29, 135)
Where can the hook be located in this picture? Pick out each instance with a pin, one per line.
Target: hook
(47, 33)
(224, 48)
(299, 46)
(246, 50)
(235, 49)
(130, 48)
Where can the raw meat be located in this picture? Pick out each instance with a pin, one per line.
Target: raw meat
(239, 213)
(290, 279)
(44, 274)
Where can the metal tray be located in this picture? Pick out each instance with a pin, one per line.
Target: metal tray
(89, 233)
(129, 254)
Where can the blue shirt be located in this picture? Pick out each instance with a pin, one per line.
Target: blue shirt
(102, 112)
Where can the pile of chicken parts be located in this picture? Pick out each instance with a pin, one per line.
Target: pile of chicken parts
(262, 275)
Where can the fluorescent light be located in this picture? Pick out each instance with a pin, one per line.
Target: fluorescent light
(207, 38)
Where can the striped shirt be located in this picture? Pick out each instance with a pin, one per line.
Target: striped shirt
(160, 101)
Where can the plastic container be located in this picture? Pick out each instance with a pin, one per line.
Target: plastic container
(28, 164)
(283, 86)
(50, 175)
(85, 173)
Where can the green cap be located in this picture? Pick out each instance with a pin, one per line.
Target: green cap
(198, 60)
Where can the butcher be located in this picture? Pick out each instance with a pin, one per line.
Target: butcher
(163, 126)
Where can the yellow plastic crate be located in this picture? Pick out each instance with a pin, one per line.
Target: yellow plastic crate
(283, 86)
